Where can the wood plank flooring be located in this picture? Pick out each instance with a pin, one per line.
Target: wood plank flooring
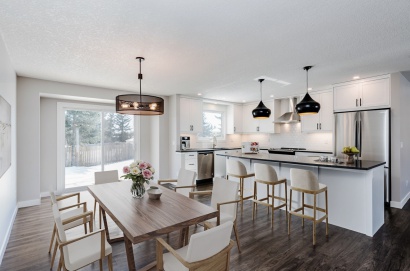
(263, 248)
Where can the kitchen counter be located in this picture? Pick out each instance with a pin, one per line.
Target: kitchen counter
(355, 191)
(308, 161)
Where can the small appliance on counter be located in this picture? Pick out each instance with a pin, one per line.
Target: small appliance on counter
(250, 147)
(185, 143)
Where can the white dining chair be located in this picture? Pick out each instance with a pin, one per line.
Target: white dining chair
(207, 250)
(224, 198)
(185, 182)
(81, 251)
(72, 216)
(102, 177)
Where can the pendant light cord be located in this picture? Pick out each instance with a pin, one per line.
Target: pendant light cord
(140, 78)
(307, 81)
(260, 81)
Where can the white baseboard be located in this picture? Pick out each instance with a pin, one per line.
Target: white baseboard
(7, 236)
(28, 203)
(45, 194)
(400, 205)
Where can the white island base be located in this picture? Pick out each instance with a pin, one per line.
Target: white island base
(355, 197)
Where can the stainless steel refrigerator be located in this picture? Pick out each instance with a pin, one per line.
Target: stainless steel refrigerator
(369, 131)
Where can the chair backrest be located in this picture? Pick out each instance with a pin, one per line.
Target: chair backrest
(59, 224)
(303, 179)
(186, 178)
(265, 173)
(108, 176)
(235, 167)
(208, 243)
(53, 198)
(224, 191)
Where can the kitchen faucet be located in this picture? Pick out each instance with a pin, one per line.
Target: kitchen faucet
(214, 142)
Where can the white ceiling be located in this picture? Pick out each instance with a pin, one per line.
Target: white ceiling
(213, 47)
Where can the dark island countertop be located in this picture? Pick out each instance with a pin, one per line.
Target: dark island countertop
(308, 161)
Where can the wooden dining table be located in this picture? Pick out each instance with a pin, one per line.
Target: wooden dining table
(143, 219)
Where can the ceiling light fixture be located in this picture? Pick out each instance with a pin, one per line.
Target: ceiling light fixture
(356, 77)
(134, 104)
(307, 106)
(261, 111)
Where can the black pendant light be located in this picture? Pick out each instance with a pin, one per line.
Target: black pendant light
(307, 106)
(134, 104)
(261, 111)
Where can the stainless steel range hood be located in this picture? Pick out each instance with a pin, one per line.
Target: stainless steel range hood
(291, 116)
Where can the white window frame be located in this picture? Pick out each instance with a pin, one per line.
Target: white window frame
(61, 108)
(223, 127)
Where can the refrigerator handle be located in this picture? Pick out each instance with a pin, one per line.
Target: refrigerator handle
(356, 134)
(360, 139)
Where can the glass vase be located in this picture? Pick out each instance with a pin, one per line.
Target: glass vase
(137, 190)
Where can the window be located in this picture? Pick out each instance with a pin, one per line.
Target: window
(213, 125)
(93, 138)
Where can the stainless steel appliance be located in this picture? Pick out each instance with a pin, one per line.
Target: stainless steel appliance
(291, 116)
(185, 143)
(205, 166)
(285, 150)
(369, 131)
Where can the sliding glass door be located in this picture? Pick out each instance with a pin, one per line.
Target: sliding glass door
(95, 140)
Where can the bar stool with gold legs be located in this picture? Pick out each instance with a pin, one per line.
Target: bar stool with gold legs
(306, 182)
(237, 169)
(266, 174)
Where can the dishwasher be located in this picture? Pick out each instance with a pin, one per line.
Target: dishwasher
(205, 167)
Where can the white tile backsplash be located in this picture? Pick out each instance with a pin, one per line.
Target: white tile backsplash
(290, 136)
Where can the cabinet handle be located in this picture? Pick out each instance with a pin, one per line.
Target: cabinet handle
(190, 164)
(234, 129)
(320, 126)
(191, 155)
(360, 101)
(317, 126)
(356, 102)
(257, 128)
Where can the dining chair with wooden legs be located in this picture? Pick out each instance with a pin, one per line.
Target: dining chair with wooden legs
(224, 198)
(207, 250)
(237, 169)
(72, 216)
(102, 177)
(81, 251)
(185, 182)
(266, 175)
(306, 182)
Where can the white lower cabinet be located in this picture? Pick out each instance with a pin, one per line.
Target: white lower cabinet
(190, 161)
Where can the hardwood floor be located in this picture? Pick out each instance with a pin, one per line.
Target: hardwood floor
(263, 248)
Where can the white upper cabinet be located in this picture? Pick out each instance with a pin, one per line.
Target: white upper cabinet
(363, 94)
(190, 115)
(234, 119)
(251, 125)
(323, 121)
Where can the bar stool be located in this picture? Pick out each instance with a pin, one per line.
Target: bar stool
(266, 174)
(238, 170)
(306, 181)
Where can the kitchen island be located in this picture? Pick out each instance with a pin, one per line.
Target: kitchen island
(356, 191)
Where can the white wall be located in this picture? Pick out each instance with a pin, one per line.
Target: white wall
(400, 135)
(8, 182)
(32, 148)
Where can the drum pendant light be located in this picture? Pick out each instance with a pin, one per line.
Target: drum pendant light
(307, 106)
(261, 111)
(134, 104)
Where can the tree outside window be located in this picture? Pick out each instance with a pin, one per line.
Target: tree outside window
(212, 124)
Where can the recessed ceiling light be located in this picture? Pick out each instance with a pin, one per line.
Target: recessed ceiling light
(356, 77)
(199, 94)
(271, 96)
(309, 88)
(243, 101)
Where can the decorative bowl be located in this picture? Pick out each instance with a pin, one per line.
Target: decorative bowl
(154, 192)
(350, 158)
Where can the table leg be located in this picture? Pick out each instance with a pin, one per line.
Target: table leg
(130, 254)
(183, 237)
